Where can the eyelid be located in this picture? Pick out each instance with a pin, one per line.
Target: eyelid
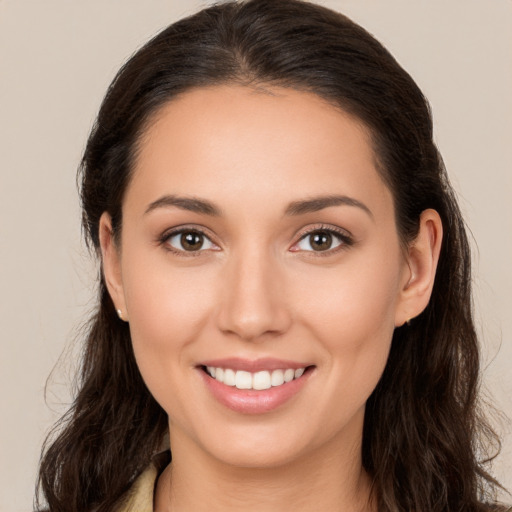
(163, 240)
(343, 235)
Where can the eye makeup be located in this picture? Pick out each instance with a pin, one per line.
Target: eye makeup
(320, 240)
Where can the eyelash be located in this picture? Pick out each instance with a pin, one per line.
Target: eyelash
(345, 239)
(164, 239)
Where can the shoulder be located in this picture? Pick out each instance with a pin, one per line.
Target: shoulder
(141, 495)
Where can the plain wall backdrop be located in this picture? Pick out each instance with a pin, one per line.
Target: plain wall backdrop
(57, 58)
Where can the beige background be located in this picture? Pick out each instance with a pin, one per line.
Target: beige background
(57, 58)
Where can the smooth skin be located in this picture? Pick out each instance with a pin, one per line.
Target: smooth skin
(257, 281)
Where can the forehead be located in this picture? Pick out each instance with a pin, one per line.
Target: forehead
(227, 141)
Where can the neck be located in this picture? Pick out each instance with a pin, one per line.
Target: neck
(328, 479)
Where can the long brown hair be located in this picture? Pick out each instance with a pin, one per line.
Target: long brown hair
(423, 428)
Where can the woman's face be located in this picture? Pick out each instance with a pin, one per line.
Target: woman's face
(258, 239)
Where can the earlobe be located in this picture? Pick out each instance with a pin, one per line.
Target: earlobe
(422, 259)
(111, 264)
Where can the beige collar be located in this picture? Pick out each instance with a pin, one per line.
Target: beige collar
(141, 495)
(140, 498)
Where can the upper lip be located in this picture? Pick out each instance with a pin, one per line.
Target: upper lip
(256, 365)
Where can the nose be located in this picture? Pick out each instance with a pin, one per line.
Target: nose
(253, 304)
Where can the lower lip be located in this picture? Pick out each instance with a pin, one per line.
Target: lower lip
(250, 401)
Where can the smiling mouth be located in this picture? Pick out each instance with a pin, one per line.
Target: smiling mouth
(261, 380)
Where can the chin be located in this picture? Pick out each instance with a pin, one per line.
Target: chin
(264, 446)
(257, 457)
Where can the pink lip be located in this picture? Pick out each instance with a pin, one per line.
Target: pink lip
(249, 401)
(257, 365)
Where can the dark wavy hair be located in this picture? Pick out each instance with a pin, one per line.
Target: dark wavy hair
(425, 441)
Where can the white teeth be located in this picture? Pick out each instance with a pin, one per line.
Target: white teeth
(299, 372)
(289, 374)
(261, 380)
(229, 377)
(277, 377)
(243, 380)
(258, 380)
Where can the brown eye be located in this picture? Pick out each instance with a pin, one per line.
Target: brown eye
(321, 240)
(189, 241)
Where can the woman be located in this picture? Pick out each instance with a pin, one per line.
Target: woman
(285, 287)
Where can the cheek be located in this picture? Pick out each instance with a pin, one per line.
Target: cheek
(164, 302)
(352, 314)
(167, 310)
(359, 298)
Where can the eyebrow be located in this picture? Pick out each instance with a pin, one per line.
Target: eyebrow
(315, 204)
(191, 204)
(302, 207)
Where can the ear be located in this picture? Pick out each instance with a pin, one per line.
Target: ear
(111, 260)
(422, 257)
